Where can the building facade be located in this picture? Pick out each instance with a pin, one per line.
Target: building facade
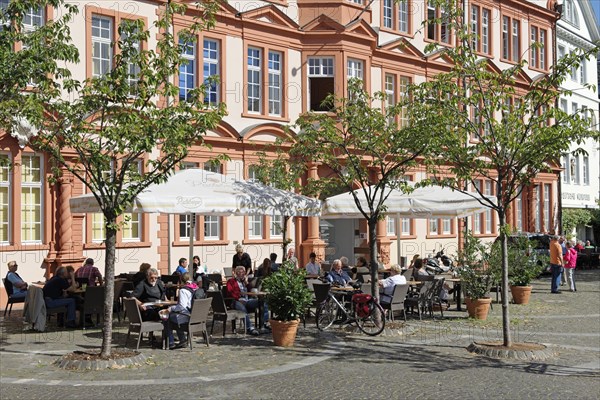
(276, 60)
(580, 178)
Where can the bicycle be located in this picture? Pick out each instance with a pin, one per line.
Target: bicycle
(365, 311)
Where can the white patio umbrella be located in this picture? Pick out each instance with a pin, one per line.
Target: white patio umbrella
(424, 202)
(196, 191)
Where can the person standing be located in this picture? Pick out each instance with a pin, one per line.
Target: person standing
(570, 264)
(14, 282)
(556, 262)
(90, 272)
(291, 257)
(241, 258)
(563, 244)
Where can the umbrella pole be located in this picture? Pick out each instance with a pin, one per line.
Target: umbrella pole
(192, 236)
(169, 244)
(398, 234)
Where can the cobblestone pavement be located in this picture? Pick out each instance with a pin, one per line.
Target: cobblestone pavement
(422, 359)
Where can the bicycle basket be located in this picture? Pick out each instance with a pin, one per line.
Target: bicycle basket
(363, 303)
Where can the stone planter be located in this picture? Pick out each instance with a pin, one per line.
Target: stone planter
(520, 294)
(478, 308)
(284, 332)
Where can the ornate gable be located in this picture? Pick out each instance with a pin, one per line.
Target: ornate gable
(402, 46)
(323, 23)
(362, 28)
(271, 15)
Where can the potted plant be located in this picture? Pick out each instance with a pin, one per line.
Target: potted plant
(475, 279)
(523, 267)
(288, 297)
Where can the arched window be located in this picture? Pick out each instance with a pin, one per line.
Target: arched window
(570, 12)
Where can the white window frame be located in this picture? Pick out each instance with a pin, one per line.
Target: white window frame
(211, 53)
(275, 61)
(388, 14)
(485, 31)
(488, 212)
(547, 207)
(276, 226)
(355, 69)
(390, 94)
(542, 49)
(533, 52)
(586, 170)
(6, 206)
(403, 16)
(188, 69)
(254, 77)
(516, 39)
(567, 168)
(319, 67)
(101, 64)
(519, 212)
(212, 227)
(433, 227)
(446, 226)
(31, 187)
(475, 39)
(135, 220)
(505, 38)
(391, 226)
(536, 212)
(405, 227)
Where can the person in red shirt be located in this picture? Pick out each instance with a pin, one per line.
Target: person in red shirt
(237, 287)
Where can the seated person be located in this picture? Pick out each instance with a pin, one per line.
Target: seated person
(235, 287)
(361, 267)
(274, 265)
(181, 267)
(90, 272)
(14, 281)
(389, 283)
(419, 270)
(141, 274)
(179, 314)
(313, 267)
(412, 262)
(56, 292)
(265, 269)
(149, 290)
(345, 267)
(337, 275)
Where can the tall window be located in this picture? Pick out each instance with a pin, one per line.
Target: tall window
(433, 226)
(212, 223)
(31, 199)
(390, 94)
(255, 226)
(536, 213)
(185, 220)
(395, 15)
(547, 207)
(488, 214)
(511, 49)
(438, 27)
(485, 31)
(586, 170)
(5, 190)
(516, 33)
(254, 82)
(102, 52)
(577, 176)
(404, 82)
(537, 55)
(570, 12)
(276, 226)
(187, 70)
(405, 227)
(566, 164)
(355, 69)
(131, 231)
(477, 217)
(210, 62)
(475, 40)
(320, 82)
(274, 83)
(519, 212)
(391, 226)
(447, 226)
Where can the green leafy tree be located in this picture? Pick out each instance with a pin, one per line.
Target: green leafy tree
(495, 128)
(364, 146)
(572, 217)
(101, 129)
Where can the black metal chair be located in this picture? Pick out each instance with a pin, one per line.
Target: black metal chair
(420, 299)
(221, 313)
(11, 300)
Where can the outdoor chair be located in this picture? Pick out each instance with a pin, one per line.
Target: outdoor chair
(221, 313)
(435, 296)
(216, 278)
(117, 303)
(427, 278)
(11, 300)
(93, 303)
(397, 303)
(420, 299)
(137, 325)
(198, 318)
(408, 273)
(366, 288)
(228, 272)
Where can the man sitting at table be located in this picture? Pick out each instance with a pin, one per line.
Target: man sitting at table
(389, 283)
(313, 267)
(14, 281)
(337, 275)
(90, 272)
(56, 292)
(236, 287)
(148, 291)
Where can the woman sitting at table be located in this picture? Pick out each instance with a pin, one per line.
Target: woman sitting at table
(387, 285)
(147, 291)
(361, 268)
(179, 314)
(265, 269)
(419, 269)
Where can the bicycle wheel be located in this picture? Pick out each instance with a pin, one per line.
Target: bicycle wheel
(373, 323)
(326, 314)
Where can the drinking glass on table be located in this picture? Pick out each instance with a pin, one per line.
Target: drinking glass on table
(83, 286)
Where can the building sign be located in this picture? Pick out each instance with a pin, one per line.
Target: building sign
(576, 196)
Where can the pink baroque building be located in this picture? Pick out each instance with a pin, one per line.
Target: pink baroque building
(276, 60)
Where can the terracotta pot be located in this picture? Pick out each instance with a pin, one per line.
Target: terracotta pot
(284, 332)
(520, 294)
(478, 308)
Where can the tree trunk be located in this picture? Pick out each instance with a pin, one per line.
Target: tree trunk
(373, 256)
(284, 243)
(109, 281)
(505, 316)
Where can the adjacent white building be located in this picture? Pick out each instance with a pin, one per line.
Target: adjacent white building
(580, 178)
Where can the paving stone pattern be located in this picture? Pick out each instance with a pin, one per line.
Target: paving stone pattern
(421, 360)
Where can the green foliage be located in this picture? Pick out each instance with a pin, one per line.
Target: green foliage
(572, 217)
(475, 278)
(595, 221)
(288, 296)
(524, 264)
